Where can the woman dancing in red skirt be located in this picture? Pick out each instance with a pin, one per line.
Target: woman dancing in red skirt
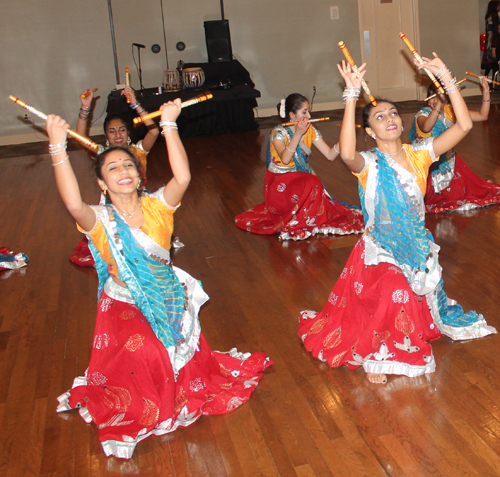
(296, 203)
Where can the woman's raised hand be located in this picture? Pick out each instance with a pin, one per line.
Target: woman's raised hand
(433, 65)
(130, 92)
(171, 110)
(57, 129)
(351, 78)
(437, 103)
(87, 100)
(484, 83)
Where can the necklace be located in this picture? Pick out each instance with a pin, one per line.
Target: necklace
(393, 153)
(129, 215)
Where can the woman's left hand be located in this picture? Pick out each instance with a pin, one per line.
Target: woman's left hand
(484, 84)
(171, 110)
(351, 78)
(433, 65)
(57, 129)
(130, 92)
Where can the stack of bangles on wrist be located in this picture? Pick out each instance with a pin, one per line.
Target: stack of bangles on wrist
(55, 149)
(350, 94)
(137, 105)
(167, 126)
(84, 113)
(450, 85)
(486, 91)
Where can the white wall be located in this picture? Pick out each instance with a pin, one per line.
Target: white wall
(52, 50)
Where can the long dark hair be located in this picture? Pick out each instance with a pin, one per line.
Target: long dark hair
(492, 11)
(100, 159)
(293, 103)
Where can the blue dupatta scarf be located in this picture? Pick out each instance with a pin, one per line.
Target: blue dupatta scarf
(150, 278)
(396, 223)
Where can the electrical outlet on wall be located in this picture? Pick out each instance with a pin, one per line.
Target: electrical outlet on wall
(334, 13)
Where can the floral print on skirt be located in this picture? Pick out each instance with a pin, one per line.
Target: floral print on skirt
(372, 319)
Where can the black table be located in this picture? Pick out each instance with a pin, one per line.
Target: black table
(230, 109)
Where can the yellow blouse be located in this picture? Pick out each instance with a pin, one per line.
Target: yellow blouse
(311, 135)
(158, 225)
(419, 160)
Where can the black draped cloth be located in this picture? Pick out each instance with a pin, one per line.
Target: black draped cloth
(230, 109)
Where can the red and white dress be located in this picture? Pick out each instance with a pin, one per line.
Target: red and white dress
(380, 314)
(296, 205)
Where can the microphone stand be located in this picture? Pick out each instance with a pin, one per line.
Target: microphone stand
(140, 69)
(113, 41)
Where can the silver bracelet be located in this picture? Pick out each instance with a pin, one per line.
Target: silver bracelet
(168, 128)
(335, 149)
(55, 149)
(350, 94)
(167, 122)
(64, 160)
(289, 150)
(451, 89)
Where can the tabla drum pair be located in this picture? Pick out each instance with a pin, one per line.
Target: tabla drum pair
(192, 78)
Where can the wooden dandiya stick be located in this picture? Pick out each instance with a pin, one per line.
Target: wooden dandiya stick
(437, 84)
(83, 95)
(184, 104)
(477, 76)
(127, 81)
(85, 141)
(340, 125)
(293, 123)
(434, 95)
(350, 60)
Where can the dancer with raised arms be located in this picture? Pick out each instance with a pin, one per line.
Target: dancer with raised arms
(389, 301)
(151, 369)
(451, 184)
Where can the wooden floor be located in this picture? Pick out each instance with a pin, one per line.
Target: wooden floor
(304, 419)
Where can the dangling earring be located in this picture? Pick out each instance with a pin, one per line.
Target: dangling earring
(374, 137)
(107, 143)
(128, 142)
(402, 128)
(105, 192)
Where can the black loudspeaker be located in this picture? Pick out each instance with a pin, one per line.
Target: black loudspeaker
(218, 41)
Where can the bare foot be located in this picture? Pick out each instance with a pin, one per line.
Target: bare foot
(376, 378)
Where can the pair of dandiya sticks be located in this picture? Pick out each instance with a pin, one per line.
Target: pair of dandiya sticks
(365, 87)
(91, 144)
(415, 54)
